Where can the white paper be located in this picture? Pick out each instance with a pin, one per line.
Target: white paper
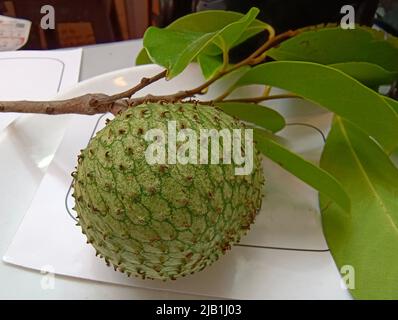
(36, 75)
(284, 256)
(14, 33)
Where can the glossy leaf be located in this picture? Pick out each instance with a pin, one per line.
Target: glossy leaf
(336, 45)
(259, 115)
(393, 103)
(231, 33)
(208, 22)
(175, 49)
(214, 20)
(211, 59)
(333, 90)
(369, 74)
(306, 171)
(367, 238)
(209, 64)
(142, 58)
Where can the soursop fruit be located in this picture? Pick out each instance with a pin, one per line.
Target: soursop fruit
(162, 221)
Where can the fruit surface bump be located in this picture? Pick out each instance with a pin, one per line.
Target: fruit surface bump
(162, 221)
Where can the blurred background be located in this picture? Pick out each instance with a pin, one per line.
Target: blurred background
(88, 22)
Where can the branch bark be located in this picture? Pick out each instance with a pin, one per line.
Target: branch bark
(88, 104)
(91, 104)
(143, 83)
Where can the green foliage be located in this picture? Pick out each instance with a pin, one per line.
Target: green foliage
(393, 103)
(210, 21)
(214, 20)
(372, 75)
(174, 50)
(335, 45)
(259, 115)
(366, 238)
(333, 90)
(304, 170)
(186, 39)
(209, 64)
(142, 58)
(337, 69)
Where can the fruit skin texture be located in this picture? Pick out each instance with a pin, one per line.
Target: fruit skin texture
(161, 221)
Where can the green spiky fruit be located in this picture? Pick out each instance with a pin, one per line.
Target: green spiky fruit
(162, 221)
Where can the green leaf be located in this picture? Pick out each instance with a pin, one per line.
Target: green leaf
(304, 170)
(254, 113)
(367, 238)
(214, 20)
(209, 65)
(227, 36)
(336, 45)
(211, 21)
(175, 49)
(369, 74)
(333, 90)
(393, 103)
(142, 58)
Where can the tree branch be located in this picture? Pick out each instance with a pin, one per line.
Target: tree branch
(256, 57)
(91, 104)
(143, 83)
(88, 104)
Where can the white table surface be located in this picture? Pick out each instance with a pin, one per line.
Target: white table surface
(20, 283)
